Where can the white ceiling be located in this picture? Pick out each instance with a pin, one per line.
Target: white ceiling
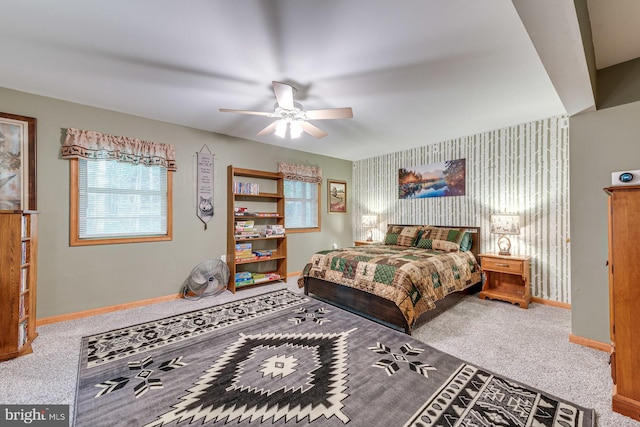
(415, 72)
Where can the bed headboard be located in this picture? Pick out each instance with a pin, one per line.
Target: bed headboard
(474, 231)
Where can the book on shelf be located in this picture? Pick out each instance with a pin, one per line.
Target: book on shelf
(25, 231)
(22, 333)
(21, 308)
(246, 188)
(24, 279)
(23, 258)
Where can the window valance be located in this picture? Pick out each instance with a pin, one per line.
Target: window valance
(303, 173)
(88, 144)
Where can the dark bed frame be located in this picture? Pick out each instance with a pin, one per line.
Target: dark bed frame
(369, 305)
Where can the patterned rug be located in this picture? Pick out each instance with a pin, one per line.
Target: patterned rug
(285, 358)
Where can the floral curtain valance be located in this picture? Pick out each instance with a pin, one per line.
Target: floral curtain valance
(87, 144)
(300, 172)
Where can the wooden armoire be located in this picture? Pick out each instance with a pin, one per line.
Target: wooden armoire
(624, 297)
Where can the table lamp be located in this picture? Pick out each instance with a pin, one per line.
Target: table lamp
(369, 222)
(505, 224)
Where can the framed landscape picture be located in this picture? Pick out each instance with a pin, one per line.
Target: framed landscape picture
(433, 180)
(337, 196)
(17, 162)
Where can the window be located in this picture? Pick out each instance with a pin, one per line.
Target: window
(119, 202)
(302, 206)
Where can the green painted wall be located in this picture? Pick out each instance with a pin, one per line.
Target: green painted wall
(601, 142)
(83, 278)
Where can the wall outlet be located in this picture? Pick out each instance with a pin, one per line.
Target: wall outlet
(223, 258)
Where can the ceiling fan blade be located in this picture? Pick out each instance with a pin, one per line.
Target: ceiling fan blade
(268, 129)
(330, 113)
(284, 95)
(313, 130)
(254, 113)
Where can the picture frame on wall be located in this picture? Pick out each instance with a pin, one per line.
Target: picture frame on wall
(17, 162)
(336, 196)
(442, 179)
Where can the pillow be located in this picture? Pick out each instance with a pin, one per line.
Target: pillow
(454, 235)
(425, 240)
(466, 242)
(391, 238)
(429, 234)
(401, 235)
(408, 236)
(446, 246)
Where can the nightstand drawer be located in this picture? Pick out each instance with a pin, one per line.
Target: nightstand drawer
(504, 265)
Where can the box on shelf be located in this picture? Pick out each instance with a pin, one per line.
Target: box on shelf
(265, 277)
(262, 253)
(243, 278)
(239, 210)
(245, 224)
(245, 230)
(244, 250)
(273, 230)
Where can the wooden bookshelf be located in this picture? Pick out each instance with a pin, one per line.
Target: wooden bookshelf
(18, 276)
(264, 201)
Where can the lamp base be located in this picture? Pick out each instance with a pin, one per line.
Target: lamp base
(369, 236)
(504, 244)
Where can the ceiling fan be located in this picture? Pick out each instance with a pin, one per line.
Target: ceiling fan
(291, 115)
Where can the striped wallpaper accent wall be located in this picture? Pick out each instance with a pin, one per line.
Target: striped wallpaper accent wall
(521, 169)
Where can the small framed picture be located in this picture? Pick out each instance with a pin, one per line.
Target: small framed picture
(17, 162)
(337, 196)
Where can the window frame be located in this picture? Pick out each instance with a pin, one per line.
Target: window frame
(74, 211)
(307, 229)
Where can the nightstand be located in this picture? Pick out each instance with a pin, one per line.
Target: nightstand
(507, 278)
(365, 242)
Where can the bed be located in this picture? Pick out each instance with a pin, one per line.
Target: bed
(396, 281)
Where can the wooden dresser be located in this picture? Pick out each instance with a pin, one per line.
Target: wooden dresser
(624, 295)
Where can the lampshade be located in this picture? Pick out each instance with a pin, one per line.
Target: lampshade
(505, 224)
(369, 220)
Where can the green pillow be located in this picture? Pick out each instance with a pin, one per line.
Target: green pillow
(466, 242)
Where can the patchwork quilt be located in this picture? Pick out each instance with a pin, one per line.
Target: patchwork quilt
(413, 278)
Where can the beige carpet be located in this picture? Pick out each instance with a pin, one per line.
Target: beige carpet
(576, 373)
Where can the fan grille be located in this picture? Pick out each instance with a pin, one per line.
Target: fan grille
(208, 278)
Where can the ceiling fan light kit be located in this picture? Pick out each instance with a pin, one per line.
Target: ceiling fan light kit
(292, 116)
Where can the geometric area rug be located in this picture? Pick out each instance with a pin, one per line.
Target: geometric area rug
(284, 358)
